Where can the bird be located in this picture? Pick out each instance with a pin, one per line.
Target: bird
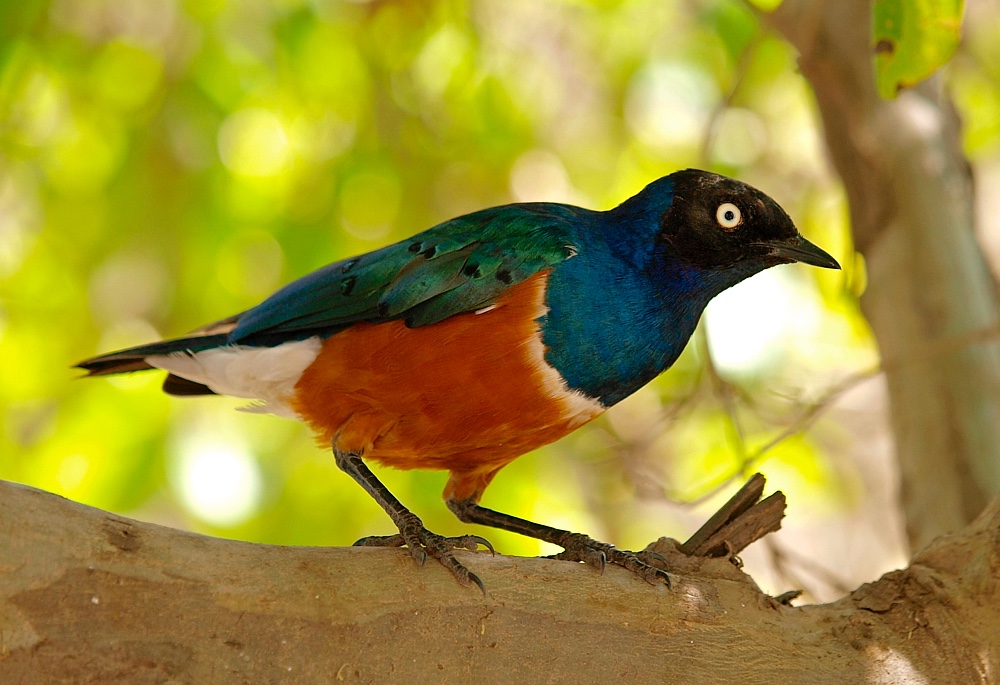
(483, 338)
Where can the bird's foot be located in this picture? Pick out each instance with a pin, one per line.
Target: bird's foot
(423, 543)
(579, 547)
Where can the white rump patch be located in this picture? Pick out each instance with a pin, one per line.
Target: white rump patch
(265, 374)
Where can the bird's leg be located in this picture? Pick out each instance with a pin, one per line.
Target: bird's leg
(412, 533)
(576, 546)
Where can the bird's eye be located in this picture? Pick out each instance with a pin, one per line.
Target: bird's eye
(729, 216)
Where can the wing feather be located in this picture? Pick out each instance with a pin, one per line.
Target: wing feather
(459, 266)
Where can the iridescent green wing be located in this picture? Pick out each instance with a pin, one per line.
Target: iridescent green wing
(459, 266)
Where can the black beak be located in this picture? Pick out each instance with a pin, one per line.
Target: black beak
(798, 249)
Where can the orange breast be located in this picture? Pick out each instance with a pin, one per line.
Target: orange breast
(468, 394)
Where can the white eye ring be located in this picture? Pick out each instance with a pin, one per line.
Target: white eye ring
(729, 216)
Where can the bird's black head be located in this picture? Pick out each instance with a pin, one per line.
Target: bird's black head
(714, 222)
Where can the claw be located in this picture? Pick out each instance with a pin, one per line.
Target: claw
(419, 555)
(380, 541)
(602, 558)
(485, 543)
(475, 579)
(656, 555)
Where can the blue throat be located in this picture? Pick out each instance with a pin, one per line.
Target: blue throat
(622, 310)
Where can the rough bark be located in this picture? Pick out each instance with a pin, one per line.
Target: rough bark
(910, 191)
(91, 597)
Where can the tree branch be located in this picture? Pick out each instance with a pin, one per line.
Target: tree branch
(742, 520)
(90, 597)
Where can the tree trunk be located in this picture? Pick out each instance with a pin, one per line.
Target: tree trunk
(929, 289)
(90, 597)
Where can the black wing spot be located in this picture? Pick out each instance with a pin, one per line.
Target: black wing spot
(429, 252)
(503, 275)
(471, 270)
(415, 247)
(348, 266)
(347, 285)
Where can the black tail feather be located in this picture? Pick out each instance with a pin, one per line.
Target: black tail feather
(182, 387)
(134, 358)
(106, 367)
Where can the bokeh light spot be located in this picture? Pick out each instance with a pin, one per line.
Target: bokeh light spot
(669, 104)
(440, 59)
(218, 480)
(19, 219)
(740, 137)
(253, 142)
(752, 324)
(539, 176)
(85, 155)
(126, 75)
(71, 472)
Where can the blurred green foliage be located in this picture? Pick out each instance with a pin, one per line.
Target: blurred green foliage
(166, 163)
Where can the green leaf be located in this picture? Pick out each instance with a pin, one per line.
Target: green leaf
(912, 38)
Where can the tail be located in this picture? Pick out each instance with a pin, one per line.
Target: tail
(134, 359)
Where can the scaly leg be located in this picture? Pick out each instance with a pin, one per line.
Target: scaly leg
(412, 533)
(576, 546)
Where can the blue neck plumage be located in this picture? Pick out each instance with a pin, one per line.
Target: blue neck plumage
(622, 310)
